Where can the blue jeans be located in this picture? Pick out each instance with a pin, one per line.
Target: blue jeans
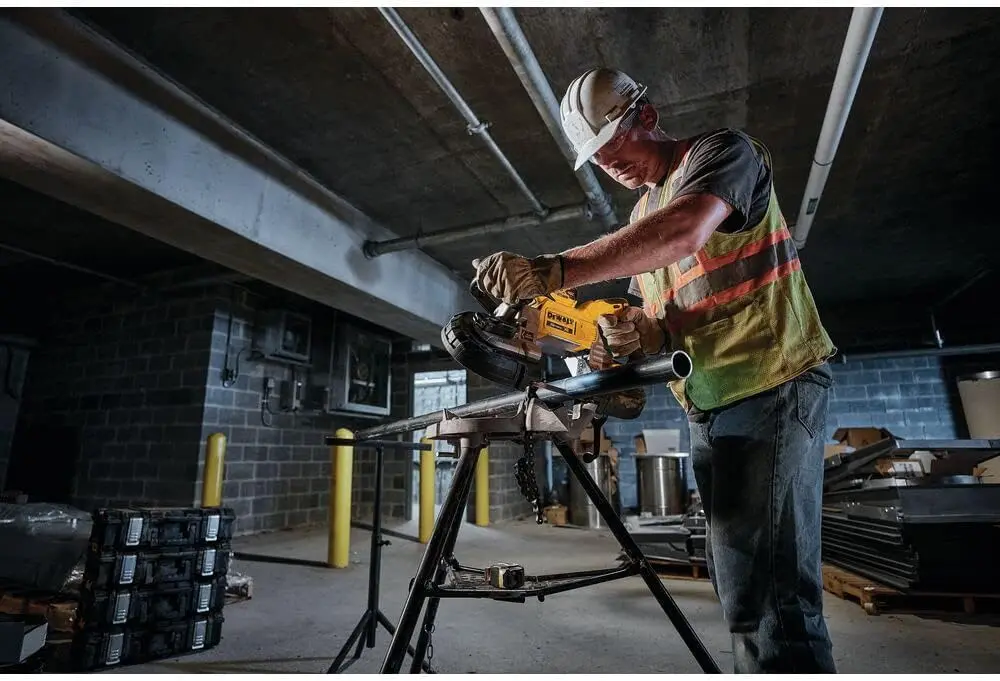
(758, 465)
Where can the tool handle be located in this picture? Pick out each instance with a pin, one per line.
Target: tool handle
(488, 302)
(494, 306)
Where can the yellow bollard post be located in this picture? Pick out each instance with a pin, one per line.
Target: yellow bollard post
(342, 471)
(215, 461)
(428, 479)
(483, 488)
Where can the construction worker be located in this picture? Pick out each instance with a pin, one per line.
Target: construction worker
(710, 255)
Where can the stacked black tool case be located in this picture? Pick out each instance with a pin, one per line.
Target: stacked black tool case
(154, 585)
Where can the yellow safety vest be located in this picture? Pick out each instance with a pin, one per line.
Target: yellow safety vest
(740, 307)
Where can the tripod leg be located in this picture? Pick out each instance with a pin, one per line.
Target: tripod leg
(636, 555)
(375, 562)
(423, 639)
(355, 636)
(449, 520)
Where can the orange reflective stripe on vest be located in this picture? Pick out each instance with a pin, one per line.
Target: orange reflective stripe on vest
(719, 280)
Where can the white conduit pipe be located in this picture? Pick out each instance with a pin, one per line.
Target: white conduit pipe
(475, 126)
(505, 27)
(854, 56)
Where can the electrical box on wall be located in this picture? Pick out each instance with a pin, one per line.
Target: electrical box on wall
(359, 376)
(292, 394)
(283, 335)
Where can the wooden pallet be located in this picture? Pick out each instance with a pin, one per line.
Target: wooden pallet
(876, 598)
(59, 611)
(680, 571)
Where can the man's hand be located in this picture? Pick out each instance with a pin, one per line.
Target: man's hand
(630, 331)
(512, 278)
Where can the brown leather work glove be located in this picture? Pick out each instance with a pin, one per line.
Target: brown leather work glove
(599, 358)
(511, 278)
(631, 330)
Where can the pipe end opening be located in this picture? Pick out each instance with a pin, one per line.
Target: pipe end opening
(682, 364)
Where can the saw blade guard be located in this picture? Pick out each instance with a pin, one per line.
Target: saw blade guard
(471, 339)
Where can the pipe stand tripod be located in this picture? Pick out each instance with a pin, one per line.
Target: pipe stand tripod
(439, 575)
(367, 627)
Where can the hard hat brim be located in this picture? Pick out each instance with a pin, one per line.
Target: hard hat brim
(594, 144)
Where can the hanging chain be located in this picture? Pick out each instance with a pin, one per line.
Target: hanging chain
(430, 643)
(524, 475)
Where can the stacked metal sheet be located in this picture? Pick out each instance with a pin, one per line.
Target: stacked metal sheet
(931, 532)
(673, 540)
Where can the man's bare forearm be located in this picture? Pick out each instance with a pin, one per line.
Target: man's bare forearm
(655, 241)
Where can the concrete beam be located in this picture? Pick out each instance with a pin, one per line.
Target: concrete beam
(91, 125)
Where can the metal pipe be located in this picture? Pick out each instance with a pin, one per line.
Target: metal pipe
(981, 349)
(966, 285)
(853, 57)
(475, 126)
(70, 266)
(373, 249)
(583, 387)
(503, 23)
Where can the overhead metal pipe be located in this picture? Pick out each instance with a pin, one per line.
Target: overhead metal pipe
(980, 349)
(70, 266)
(508, 33)
(475, 126)
(374, 249)
(853, 57)
(583, 387)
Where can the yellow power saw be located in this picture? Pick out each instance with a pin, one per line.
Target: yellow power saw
(508, 345)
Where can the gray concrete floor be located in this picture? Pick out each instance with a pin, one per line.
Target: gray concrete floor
(299, 617)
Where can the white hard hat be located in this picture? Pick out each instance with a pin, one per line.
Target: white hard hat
(594, 106)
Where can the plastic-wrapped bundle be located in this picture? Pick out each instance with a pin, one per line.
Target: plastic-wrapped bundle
(41, 543)
(238, 583)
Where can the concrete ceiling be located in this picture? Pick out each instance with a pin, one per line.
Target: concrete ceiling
(903, 217)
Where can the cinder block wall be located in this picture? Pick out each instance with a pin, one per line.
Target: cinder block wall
(140, 378)
(278, 475)
(128, 371)
(909, 396)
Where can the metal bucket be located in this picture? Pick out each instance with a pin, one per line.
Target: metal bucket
(661, 484)
(980, 394)
(582, 511)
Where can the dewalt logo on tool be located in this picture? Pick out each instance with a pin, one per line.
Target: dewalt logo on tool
(560, 322)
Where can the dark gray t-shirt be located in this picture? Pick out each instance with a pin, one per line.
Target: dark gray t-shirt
(725, 163)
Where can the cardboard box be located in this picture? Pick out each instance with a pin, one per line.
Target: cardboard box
(834, 450)
(555, 515)
(899, 468)
(640, 444)
(587, 439)
(857, 438)
(658, 441)
(989, 471)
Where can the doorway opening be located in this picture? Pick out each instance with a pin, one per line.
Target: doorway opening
(433, 391)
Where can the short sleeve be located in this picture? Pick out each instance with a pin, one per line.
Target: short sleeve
(633, 288)
(725, 164)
